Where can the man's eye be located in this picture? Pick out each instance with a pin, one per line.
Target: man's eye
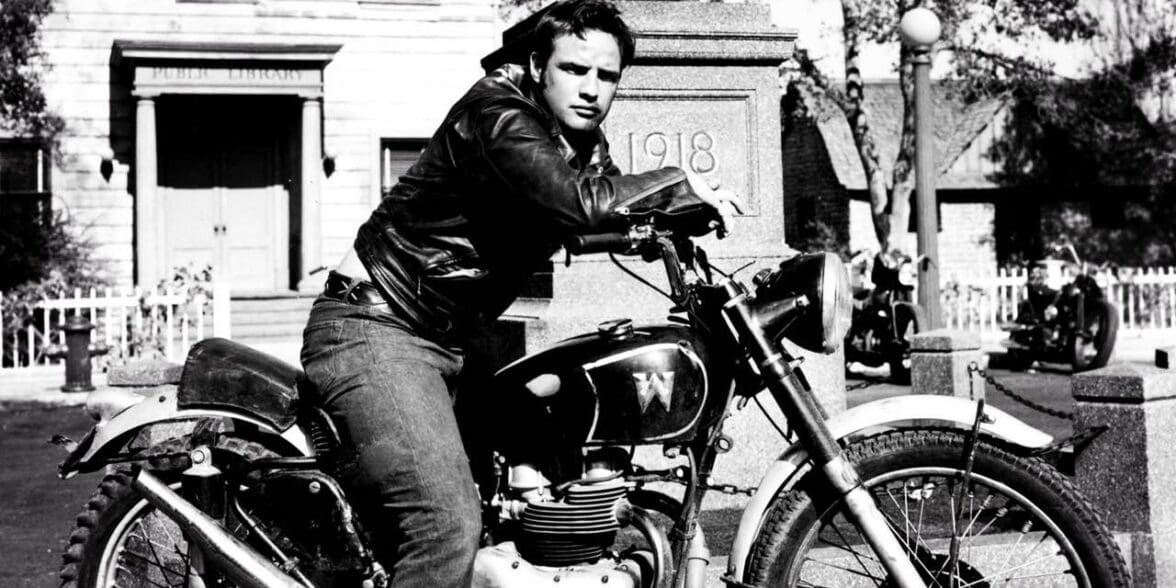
(609, 77)
(575, 69)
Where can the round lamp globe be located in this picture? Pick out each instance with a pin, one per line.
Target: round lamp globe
(920, 27)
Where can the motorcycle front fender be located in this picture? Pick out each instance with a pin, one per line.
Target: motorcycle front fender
(896, 412)
(158, 408)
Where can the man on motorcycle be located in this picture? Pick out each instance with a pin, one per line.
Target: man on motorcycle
(518, 165)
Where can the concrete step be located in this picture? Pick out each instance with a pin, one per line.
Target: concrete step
(272, 319)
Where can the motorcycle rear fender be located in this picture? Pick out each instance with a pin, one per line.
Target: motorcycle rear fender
(158, 408)
(896, 412)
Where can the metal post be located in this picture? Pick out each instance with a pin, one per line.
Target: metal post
(928, 212)
(921, 28)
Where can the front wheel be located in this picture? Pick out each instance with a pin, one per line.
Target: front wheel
(1019, 522)
(1093, 349)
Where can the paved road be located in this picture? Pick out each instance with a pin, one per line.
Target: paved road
(37, 509)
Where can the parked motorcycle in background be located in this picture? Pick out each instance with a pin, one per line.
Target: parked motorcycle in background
(885, 317)
(1063, 322)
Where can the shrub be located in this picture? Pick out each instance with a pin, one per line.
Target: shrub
(38, 261)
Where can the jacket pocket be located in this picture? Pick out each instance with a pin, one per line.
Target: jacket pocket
(454, 269)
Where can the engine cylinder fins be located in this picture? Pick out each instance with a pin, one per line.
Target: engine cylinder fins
(574, 531)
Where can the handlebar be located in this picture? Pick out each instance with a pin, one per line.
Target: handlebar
(599, 243)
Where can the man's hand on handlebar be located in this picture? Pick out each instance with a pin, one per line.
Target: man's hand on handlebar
(725, 202)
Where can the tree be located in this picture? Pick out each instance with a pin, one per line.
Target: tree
(990, 44)
(23, 110)
(1114, 130)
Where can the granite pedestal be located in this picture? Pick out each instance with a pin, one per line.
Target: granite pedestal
(940, 361)
(1129, 471)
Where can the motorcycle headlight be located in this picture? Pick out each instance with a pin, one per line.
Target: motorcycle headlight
(1051, 312)
(908, 275)
(823, 280)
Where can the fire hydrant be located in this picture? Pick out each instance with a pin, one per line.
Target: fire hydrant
(77, 352)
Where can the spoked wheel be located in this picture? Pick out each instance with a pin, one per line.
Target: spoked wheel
(1017, 523)
(1093, 349)
(121, 541)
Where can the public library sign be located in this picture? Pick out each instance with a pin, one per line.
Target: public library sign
(222, 68)
(229, 80)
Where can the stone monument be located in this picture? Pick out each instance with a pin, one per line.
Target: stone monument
(703, 93)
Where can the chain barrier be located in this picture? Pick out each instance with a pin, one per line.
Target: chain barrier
(973, 368)
(865, 384)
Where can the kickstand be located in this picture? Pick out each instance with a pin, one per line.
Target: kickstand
(957, 496)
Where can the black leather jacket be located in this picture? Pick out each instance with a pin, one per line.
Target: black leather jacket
(491, 198)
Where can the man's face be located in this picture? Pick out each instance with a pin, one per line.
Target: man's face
(580, 78)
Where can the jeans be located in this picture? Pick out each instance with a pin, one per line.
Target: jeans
(404, 467)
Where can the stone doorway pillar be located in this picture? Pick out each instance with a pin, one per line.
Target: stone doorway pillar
(146, 167)
(312, 169)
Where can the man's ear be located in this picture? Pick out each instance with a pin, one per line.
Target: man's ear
(535, 69)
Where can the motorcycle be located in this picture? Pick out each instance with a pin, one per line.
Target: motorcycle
(1063, 322)
(885, 317)
(225, 477)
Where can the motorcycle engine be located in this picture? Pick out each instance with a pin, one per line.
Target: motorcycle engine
(570, 523)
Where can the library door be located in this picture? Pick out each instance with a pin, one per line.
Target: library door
(223, 188)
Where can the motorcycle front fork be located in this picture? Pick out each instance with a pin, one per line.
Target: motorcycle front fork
(794, 396)
(799, 406)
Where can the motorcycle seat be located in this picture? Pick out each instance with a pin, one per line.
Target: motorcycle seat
(224, 374)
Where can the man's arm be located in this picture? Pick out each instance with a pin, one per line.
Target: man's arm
(517, 149)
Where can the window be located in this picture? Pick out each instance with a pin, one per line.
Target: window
(396, 156)
(24, 182)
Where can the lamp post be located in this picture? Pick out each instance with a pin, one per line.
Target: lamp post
(920, 29)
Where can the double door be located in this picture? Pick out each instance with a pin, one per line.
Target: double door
(224, 192)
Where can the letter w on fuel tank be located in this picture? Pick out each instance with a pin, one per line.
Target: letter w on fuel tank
(660, 384)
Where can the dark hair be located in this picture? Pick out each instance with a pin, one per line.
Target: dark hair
(574, 17)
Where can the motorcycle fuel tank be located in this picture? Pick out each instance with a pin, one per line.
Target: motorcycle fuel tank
(621, 385)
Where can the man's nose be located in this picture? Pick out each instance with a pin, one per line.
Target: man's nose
(589, 88)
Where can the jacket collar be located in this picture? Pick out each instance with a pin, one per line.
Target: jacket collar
(515, 76)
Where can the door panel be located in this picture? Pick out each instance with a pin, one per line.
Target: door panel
(254, 217)
(190, 206)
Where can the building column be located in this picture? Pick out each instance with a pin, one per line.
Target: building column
(146, 184)
(312, 169)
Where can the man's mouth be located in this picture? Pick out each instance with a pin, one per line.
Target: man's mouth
(586, 111)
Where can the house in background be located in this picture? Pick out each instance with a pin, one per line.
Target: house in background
(825, 185)
(253, 136)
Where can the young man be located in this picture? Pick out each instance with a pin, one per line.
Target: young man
(518, 165)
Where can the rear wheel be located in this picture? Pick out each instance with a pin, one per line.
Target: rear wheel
(1093, 349)
(122, 541)
(1019, 522)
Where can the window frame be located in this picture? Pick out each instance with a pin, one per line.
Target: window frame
(42, 194)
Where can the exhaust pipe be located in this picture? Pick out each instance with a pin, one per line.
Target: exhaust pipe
(663, 564)
(231, 556)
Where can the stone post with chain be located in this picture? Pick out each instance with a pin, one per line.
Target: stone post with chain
(940, 360)
(1128, 471)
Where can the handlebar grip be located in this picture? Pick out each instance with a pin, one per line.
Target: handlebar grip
(598, 243)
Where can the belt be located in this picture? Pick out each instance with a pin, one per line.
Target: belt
(352, 290)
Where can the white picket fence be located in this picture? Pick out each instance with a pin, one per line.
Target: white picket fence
(1145, 298)
(168, 317)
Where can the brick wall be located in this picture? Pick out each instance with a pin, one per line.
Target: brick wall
(811, 189)
(966, 244)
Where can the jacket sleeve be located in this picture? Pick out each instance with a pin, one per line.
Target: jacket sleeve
(518, 151)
